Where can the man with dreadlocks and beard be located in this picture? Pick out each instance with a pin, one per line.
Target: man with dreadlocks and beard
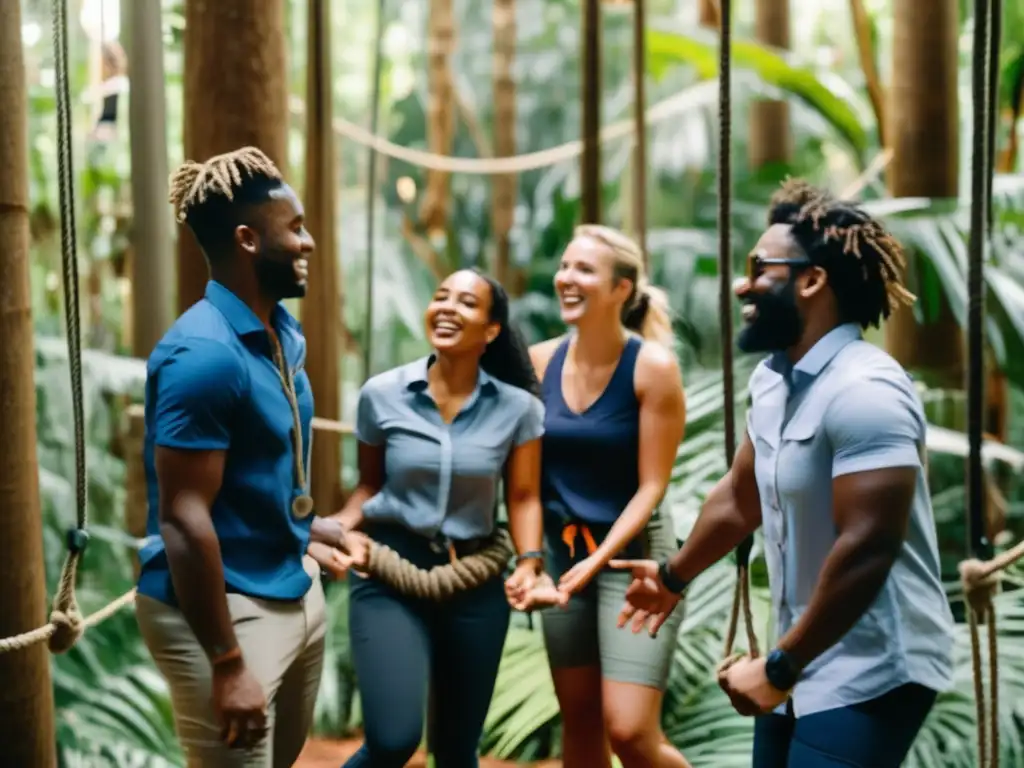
(227, 605)
(832, 468)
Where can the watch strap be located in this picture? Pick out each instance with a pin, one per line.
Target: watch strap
(672, 582)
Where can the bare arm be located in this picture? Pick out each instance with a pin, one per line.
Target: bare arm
(188, 483)
(731, 512)
(522, 497)
(872, 511)
(662, 423)
(331, 529)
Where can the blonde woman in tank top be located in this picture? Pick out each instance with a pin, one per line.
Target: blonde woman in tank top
(615, 414)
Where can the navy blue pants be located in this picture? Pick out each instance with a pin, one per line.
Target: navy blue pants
(400, 645)
(874, 734)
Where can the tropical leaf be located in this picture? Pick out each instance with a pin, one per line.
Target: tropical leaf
(825, 93)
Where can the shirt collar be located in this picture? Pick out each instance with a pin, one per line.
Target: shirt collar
(817, 357)
(242, 319)
(416, 377)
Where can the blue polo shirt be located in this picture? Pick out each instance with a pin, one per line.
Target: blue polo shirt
(212, 384)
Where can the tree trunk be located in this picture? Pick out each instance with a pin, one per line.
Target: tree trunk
(440, 114)
(26, 696)
(504, 188)
(152, 256)
(708, 13)
(236, 95)
(590, 160)
(770, 140)
(923, 131)
(321, 309)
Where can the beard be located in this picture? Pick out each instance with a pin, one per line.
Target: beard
(777, 325)
(275, 270)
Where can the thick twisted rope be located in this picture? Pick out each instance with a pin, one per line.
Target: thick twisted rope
(66, 619)
(66, 624)
(741, 596)
(443, 581)
(980, 579)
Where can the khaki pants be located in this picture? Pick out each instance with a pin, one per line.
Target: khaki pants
(283, 645)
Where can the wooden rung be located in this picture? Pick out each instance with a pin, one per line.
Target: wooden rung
(320, 424)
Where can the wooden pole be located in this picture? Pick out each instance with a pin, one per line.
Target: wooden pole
(26, 696)
(639, 197)
(770, 134)
(152, 241)
(236, 95)
(321, 309)
(590, 161)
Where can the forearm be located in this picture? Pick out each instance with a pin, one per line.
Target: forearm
(197, 573)
(851, 578)
(330, 529)
(526, 524)
(632, 521)
(719, 529)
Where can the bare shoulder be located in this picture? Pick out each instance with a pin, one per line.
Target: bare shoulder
(540, 354)
(657, 371)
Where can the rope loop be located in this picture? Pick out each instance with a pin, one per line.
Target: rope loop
(441, 582)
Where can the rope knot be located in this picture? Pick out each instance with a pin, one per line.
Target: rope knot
(68, 626)
(980, 584)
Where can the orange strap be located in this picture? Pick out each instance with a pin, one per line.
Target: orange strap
(569, 534)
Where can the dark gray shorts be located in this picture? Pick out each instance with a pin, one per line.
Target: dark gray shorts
(586, 633)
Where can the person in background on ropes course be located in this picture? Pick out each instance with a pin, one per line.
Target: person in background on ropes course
(615, 414)
(435, 438)
(231, 613)
(832, 468)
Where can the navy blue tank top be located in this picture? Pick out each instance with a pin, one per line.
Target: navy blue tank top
(589, 466)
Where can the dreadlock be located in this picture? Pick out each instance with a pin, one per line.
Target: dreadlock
(210, 197)
(864, 262)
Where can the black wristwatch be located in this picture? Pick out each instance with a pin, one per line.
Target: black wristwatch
(672, 582)
(780, 669)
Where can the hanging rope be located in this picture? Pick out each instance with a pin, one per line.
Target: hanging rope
(741, 594)
(979, 579)
(66, 622)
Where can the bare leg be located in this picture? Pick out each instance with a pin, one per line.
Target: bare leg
(584, 744)
(632, 719)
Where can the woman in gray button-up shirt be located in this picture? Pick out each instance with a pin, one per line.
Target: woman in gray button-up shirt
(435, 437)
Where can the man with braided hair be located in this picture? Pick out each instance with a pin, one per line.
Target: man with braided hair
(832, 469)
(227, 605)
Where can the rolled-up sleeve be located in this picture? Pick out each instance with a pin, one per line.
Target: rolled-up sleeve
(367, 428)
(197, 390)
(876, 424)
(531, 425)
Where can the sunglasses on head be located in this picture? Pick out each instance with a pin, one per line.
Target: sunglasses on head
(756, 264)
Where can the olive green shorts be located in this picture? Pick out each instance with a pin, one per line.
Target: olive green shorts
(586, 632)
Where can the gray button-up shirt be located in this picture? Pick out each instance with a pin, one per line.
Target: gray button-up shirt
(442, 478)
(847, 407)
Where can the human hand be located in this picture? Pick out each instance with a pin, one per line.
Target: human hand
(239, 704)
(520, 582)
(746, 684)
(576, 578)
(648, 602)
(542, 594)
(327, 530)
(355, 555)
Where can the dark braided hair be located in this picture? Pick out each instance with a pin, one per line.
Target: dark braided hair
(863, 261)
(507, 358)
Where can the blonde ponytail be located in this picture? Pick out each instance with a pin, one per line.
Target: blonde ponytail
(651, 316)
(647, 311)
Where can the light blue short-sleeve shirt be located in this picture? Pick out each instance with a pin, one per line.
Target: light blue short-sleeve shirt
(847, 407)
(441, 480)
